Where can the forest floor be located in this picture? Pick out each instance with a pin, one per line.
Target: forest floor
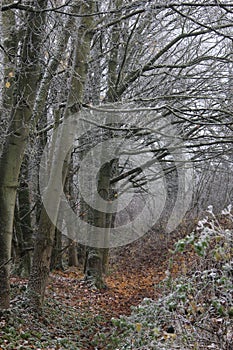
(76, 316)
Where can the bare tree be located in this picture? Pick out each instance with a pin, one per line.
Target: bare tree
(22, 56)
(170, 59)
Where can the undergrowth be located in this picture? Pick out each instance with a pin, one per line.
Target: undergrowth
(195, 310)
(58, 327)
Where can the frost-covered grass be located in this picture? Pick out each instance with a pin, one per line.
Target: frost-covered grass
(195, 310)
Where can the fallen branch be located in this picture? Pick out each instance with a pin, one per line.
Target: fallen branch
(7, 262)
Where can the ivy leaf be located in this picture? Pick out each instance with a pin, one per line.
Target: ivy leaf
(138, 327)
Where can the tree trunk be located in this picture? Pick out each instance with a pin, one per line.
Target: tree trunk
(96, 264)
(97, 257)
(56, 258)
(45, 235)
(21, 256)
(81, 249)
(41, 261)
(7, 203)
(73, 254)
(15, 143)
(25, 219)
(94, 268)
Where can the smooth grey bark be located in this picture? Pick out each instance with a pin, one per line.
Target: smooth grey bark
(69, 190)
(96, 260)
(23, 222)
(16, 140)
(56, 258)
(96, 265)
(45, 235)
(72, 253)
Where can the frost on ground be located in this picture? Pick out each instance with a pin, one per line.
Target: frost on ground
(195, 310)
